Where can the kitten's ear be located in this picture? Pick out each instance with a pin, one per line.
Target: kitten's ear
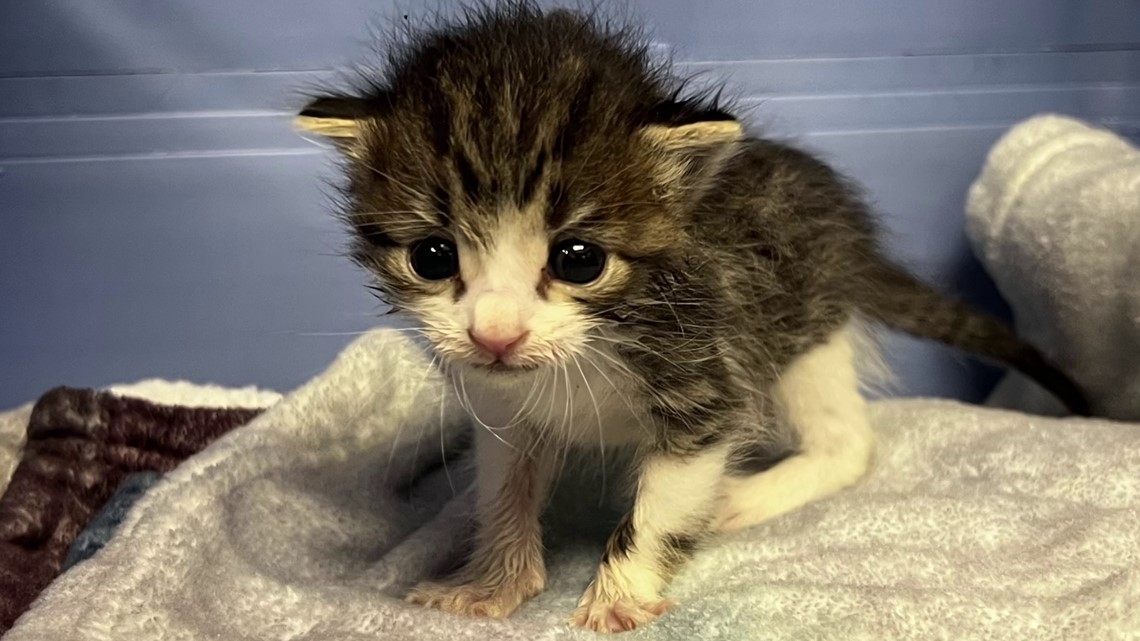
(337, 117)
(707, 139)
(692, 149)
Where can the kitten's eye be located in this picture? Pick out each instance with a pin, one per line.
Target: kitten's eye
(577, 261)
(434, 258)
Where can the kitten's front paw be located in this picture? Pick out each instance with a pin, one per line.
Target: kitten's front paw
(608, 613)
(477, 599)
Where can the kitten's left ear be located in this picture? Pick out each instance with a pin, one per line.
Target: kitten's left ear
(337, 117)
(692, 149)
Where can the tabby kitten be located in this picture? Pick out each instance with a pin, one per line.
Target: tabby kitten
(601, 259)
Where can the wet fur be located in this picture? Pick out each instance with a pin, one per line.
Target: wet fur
(718, 343)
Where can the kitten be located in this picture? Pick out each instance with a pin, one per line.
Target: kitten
(600, 259)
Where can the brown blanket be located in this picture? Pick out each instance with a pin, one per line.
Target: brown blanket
(81, 445)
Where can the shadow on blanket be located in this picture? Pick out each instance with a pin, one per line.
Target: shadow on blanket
(81, 446)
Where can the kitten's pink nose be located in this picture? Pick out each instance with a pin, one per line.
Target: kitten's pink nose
(497, 344)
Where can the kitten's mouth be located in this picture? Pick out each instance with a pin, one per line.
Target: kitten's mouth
(499, 367)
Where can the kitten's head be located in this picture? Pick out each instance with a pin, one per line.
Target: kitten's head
(518, 180)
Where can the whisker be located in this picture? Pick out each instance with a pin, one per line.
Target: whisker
(617, 391)
(547, 434)
(382, 212)
(526, 402)
(657, 353)
(601, 432)
(442, 447)
(400, 431)
(318, 334)
(620, 365)
(471, 411)
(567, 418)
(418, 330)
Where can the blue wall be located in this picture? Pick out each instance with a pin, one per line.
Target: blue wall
(158, 217)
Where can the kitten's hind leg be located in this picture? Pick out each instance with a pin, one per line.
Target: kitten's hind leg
(819, 396)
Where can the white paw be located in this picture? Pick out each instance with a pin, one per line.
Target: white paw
(477, 599)
(602, 613)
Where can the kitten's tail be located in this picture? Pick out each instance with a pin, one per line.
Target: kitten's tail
(909, 305)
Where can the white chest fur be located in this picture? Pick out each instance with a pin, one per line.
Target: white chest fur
(583, 402)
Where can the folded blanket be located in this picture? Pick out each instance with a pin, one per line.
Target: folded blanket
(1055, 218)
(81, 444)
(311, 521)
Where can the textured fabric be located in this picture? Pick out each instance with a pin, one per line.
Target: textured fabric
(80, 446)
(14, 423)
(975, 524)
(1055, 218)
(104, 524)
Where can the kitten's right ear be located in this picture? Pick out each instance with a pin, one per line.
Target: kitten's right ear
(338, 117)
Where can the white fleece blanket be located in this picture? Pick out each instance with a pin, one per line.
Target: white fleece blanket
(1055, 218)
(975, 524)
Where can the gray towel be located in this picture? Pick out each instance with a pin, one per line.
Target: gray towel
(1055, 218)
(975, 524)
